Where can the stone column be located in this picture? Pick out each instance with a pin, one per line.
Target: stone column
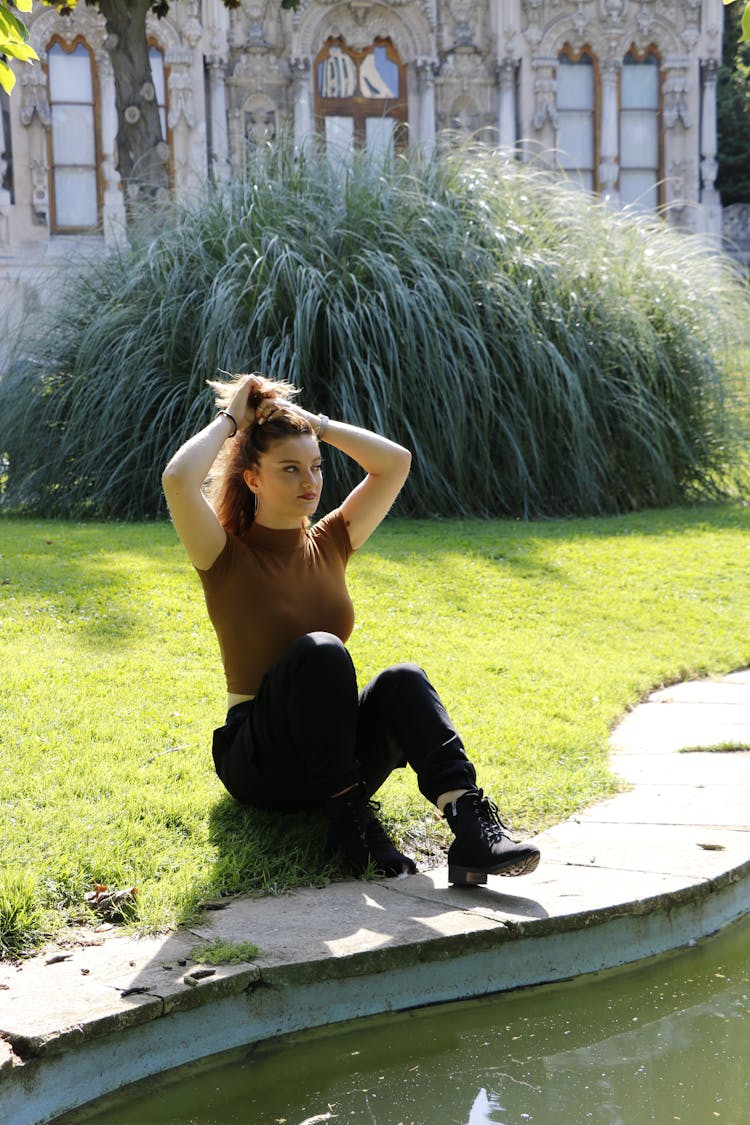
(113, 203)
(35, 115)
(609, 147)
(300, 69)
(218, 157)
(681, 189)
(507, 130)
(710, 199)
(426, 72)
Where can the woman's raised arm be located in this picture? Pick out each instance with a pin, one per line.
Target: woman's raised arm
(195, 521)
(387, 466)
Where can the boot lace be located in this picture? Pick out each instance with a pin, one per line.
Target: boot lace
(492, 827)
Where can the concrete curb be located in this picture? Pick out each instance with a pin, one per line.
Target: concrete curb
(656, 868)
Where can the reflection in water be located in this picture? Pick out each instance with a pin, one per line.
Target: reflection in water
(483, 1106)
(669, 1041)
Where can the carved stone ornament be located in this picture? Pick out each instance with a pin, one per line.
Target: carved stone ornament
(580, 20)
(709, 171)
(180, 99)
(676, 179)
(192, 29)
(612, 11)
(299, 70)
(34, 97)
(545, 104)
(676, 89)
(427, 70)
(40, 191)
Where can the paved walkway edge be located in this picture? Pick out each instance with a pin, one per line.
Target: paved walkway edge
(261, 1004)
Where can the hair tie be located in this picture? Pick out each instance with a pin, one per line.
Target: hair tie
(231, 418)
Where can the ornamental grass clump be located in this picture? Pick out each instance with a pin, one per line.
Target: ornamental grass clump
(540, 353)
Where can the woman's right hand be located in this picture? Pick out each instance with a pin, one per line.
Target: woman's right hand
(246, 399)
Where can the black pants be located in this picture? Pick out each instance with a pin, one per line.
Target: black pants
(308, 734)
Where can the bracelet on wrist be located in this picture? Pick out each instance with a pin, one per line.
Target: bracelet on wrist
(322, 425)
(232, 419)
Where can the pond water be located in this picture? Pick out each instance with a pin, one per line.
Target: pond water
(666, 1041)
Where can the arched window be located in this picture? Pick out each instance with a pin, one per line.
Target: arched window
(360, 97)
(73, 138)
(576, 115)
(640, 148)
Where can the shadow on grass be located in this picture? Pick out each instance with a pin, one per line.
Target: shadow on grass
(262, 853)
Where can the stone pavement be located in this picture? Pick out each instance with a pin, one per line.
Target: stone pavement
(657, 867)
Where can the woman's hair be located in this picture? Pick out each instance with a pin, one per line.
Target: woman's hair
(232, 500)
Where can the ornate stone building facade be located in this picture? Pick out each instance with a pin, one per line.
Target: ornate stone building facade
(619, 93)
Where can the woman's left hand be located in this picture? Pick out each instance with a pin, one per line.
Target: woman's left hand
(269, 408)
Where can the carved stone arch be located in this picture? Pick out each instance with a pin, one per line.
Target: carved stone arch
(661, 34)
(562, 32)
(164, 31)
(83, 21)
(405, 24)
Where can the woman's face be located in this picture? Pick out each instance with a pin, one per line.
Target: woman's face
(287, 481)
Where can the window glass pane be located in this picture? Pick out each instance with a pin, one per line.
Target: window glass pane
(73, 134)
(640, 85)
(378, 76)
(339, 137)
(575, 84)
(639, 139)
(156, 58)
(379, 136)
(575, 140)
(639, 189)
(75, 197)
(337, 75)
(69, 74)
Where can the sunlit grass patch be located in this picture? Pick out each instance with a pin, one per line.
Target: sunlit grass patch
(538, 637)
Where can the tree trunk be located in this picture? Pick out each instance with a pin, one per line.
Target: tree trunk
(141, 152)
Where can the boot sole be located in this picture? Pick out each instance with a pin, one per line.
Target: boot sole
(470, 877)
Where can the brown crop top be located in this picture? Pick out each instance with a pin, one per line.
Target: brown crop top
(270, 587)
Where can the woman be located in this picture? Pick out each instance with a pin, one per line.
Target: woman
(298, 735)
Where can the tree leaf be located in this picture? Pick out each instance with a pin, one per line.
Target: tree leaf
(11, 28)
(20, 51)
(7, 77)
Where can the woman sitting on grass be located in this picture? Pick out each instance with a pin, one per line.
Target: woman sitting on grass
(298, 735)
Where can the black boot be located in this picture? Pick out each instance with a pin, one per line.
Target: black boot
(355, 831)
(482, 846)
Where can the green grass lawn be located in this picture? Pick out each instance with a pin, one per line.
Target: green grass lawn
(538, 636)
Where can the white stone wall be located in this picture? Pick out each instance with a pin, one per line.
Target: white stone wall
(485, 68)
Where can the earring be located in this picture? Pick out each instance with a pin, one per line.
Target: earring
(255, 504)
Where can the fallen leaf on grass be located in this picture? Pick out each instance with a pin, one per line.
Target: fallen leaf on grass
(109, 901)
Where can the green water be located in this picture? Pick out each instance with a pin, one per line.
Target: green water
(668, 1041)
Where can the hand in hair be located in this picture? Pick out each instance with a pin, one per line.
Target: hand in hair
(244, 394)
